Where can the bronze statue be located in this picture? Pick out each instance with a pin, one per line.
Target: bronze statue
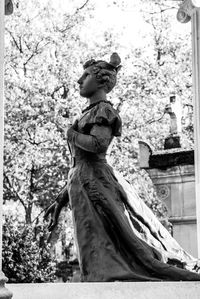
(118, 237)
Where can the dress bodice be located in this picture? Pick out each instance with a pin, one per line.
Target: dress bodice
(102, 123)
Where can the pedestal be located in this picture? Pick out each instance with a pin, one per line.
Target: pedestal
(116, 290)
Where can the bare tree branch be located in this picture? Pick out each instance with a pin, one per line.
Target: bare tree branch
(20, 44)
(13, 190)
(14, 40)
(86, 2)
(69, 25)
(154, 120)
(37, 143)
(161, 10)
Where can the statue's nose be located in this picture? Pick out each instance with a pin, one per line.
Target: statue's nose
(79, 81)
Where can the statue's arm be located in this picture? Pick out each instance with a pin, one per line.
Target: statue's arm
(96, 142)
(55, 208)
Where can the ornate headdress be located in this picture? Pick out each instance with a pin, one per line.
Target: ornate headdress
(105, 72)
(114, 63)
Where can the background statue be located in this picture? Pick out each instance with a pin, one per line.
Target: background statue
(118, 237)
(174, 110)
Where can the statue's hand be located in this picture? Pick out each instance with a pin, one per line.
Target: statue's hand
(55, 208)
(52, 212)
(72, 128)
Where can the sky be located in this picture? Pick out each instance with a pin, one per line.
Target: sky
(128, 22)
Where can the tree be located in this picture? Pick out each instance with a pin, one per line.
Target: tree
(44, 49)
(41, 45)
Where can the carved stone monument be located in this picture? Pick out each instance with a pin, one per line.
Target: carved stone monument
(172, 172)
(174, 111)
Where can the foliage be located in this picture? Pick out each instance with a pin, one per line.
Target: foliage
(44, 52)
(39, 88)
(26, 255)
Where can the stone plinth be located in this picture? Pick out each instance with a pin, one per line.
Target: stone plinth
(176, 188)
(173, 174)
(116, 290)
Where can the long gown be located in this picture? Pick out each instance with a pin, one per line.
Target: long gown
(117, 235)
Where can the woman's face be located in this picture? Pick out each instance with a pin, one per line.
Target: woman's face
(88, 83)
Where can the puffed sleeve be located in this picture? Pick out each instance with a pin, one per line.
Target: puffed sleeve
(106, 115)
(102, 125)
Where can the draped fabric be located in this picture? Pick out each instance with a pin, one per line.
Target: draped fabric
(118, 237)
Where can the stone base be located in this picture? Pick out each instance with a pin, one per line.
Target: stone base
(4, 292)
(116, 290)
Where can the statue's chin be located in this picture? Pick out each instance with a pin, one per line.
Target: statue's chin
(83, 94)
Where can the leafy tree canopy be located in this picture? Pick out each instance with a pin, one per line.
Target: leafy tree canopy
(45, 46)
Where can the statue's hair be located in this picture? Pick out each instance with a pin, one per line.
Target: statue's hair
(105, 72)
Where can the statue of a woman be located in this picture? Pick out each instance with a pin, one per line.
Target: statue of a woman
(118, 237)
